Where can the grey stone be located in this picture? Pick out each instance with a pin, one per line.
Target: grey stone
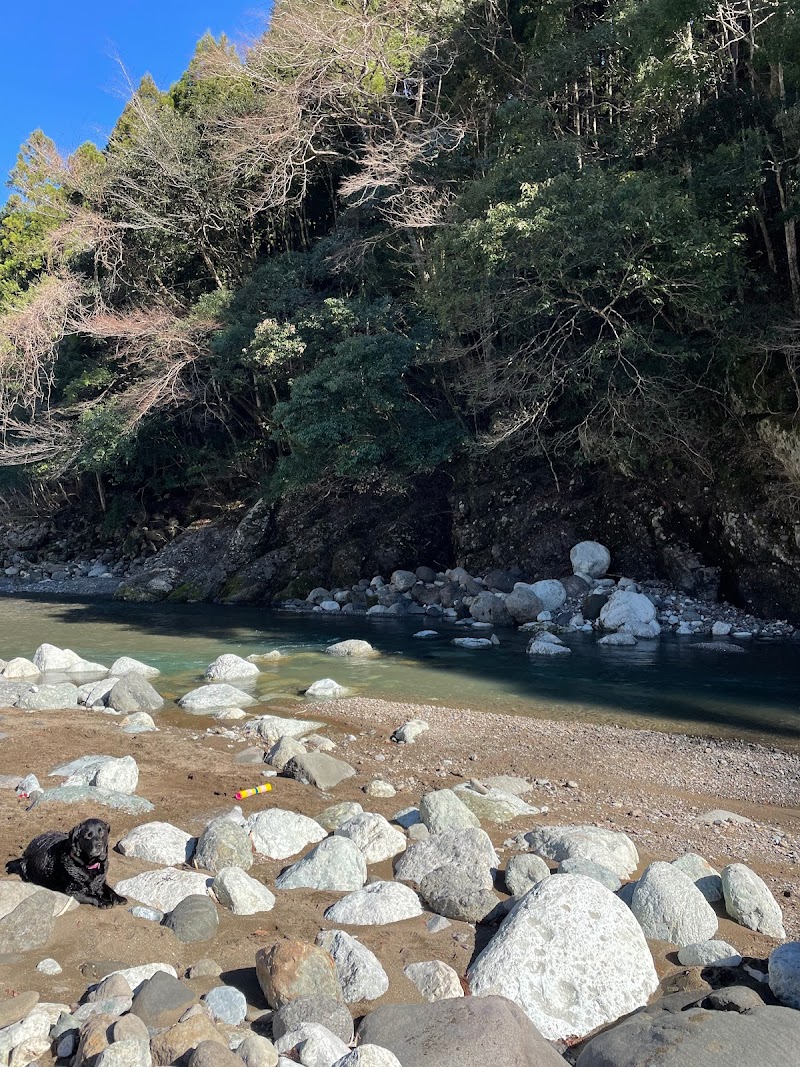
(471, 849)
(213, 1054)
(326, 689)
(749, 902)
(161, 1001)
(152, 915)
(698, 1038)
(58, 697)
(229, 668)
(373, 835)
(278, 834)
(408, 733)
(733, 998)
(117, 775)
(454, 892)
(132, 693)
(318, 769)
(443, 810)
(208, 698)
(784, 973)
(223, 844)
(49, 966)
(377, 904)
(158, 842)
(90, 794)
(138, 723)
(336, 863)
(369, 1056)
(610, 848)
(240, 893)
(435, 980)
(670, 907)
(273, 727)
(164, 889)
(313, 1044)
(709, 954)
(284, 750)
(467, 1031)
(590, 558)
(360, 972)
(333, 817)
(379, 788)
(320, 1010)
(352, 648)
(125, 1053)
(227, 1004)
(127, 665)
(524, 872)
(494, 805)
(704, 876)
(257, 1051)
(592, 870)
(29, 925)
(571, 955)
(194, 919)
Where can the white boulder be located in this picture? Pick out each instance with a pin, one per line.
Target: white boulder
(326, 689)
(279, 834)
(784, 973)
(372, 834)
(229, 667)
(749, 902)
(670, 907)
(633, 613)
(158, 842)
(376, 904)
(571, 955)
(609, 848)
(550, 593)
(590, 559)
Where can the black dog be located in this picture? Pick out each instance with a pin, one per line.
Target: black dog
(75, 863)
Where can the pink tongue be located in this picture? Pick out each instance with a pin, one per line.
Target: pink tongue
(93, 867)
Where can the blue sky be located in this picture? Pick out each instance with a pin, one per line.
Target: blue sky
(60, 68)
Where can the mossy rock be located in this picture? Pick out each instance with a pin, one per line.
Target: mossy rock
(187, 593)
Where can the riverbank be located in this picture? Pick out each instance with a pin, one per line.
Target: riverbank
(656, 788)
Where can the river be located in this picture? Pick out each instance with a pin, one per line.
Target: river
(665, 684)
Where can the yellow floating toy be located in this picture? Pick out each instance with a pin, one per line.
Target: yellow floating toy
(243, 794)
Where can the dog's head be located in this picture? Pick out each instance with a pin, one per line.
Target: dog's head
(88, 843)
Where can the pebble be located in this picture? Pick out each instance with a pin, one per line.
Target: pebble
(49, 966)
(195, 918)
(378, 787)
(151, 914)
(435, 980)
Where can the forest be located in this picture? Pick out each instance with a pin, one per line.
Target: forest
(390, 238)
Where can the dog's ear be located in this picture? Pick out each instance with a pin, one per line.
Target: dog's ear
(72, 836)
(107, 828)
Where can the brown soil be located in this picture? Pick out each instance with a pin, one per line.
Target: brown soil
(651, 785)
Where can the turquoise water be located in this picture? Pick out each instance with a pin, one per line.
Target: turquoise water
(662, 684)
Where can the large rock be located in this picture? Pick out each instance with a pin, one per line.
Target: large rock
(360, 973)
(312, 1044)
(749, 902)
(435, 980)
(491, 608)
(709, 954)
(194, 919)
(128, 665)
(551, 593)
(240, 893)
(283, 751)
(326, 689)
(591, 870)
(338, 814)
(467, 1031)
(472, 849)
(274, 727)
(408, 733)
(132, 693)
(92, 795)
(372, 834)
(318, 769)
(455, 893)
(58, 697)
(291, 969)
(321, 1009)
(158, 842)
(784, 973)
(161, 1001)
(29, 925)
(279, 834)
(704, 876)
(208, 698)
(522, 604)
(163, 889)
(524, 872)
(229, 668)
(443, 810)
(369, 1056)
(610, 848)
(377, 904)
(630, 612)
(51, 658)
(336, 863)
(352, 648)
(120, 775)
(590, 559)
(571, 955)
(763, 1037)
(222, 844)
(491, 804)
(670, 907)
(19, 667)
(171, 1046)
